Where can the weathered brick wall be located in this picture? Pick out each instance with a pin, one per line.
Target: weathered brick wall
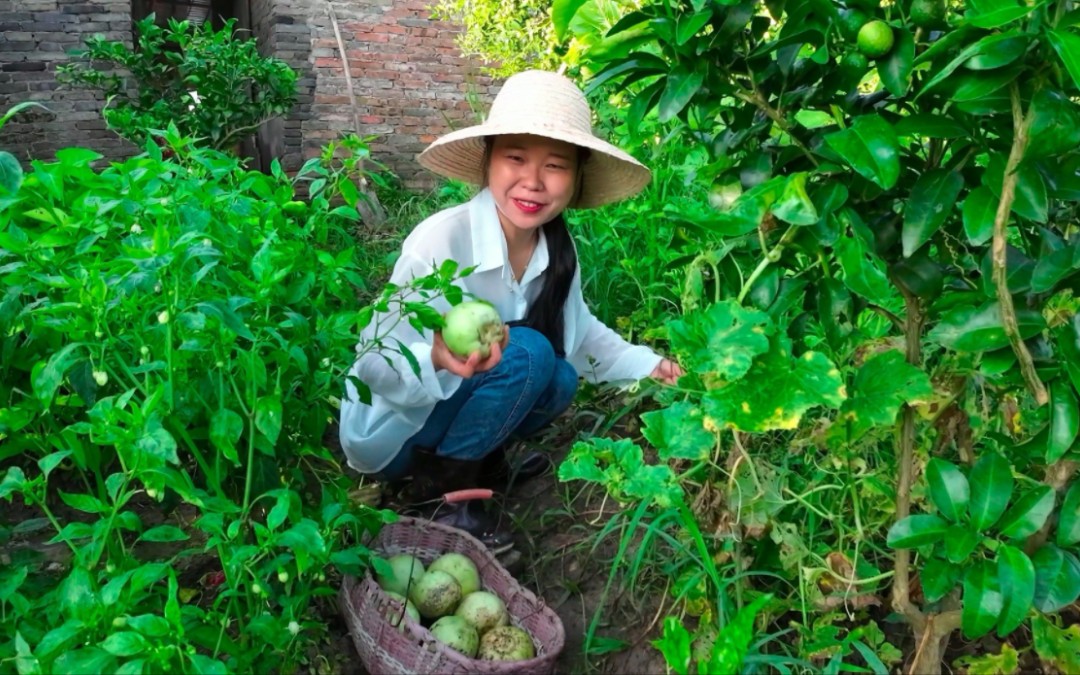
(410, 81)
(35, 36)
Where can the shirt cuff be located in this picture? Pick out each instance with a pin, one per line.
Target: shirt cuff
(438, 385)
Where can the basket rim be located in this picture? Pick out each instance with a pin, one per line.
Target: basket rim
(350, 582)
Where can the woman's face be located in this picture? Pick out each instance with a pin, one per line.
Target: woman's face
(532, 179)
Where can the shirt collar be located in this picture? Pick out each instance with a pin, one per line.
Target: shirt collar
(489, 243)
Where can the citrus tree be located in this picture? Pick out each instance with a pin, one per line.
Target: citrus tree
(887, 283)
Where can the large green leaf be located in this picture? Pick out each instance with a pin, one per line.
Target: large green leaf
(932, 200)
(864, 271)
(938, 578)
(562, 13)
(929, 125)
(1003, 54)
(1031, 199)
(985, 45)
(1067, 340)
(794, 205)
(882, 385)
(982, 600)
(681, 86)
(960, 542)
(226, 427)
(777, 391)
(1055, 128)
(895, 69)
(11, 173)
(678, 432)
(1050, 269)
(869, 146)
(949, 489)
(996, 13)
(1017, 576)
(1057, 579)
(721, 342)
(976, 329)
(915, 531)
(991, 488)
(1068, 528)
(85, 661)
(1064, 420)
(1028, 514)
(1067, 46)
(268, 416)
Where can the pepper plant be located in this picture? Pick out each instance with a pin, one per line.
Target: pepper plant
(888, 262)
(174, 338)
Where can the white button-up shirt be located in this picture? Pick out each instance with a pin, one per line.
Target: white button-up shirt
(470, 234)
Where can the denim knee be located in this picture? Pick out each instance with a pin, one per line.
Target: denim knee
(537, 349)
(564, 384)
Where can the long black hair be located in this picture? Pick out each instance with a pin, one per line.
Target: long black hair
(546, 313)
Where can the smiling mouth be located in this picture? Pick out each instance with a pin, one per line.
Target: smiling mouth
(527, 206)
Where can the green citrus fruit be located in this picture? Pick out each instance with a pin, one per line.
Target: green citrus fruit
(928, 14)
(851, 20)
(875, 39)
(852, 69)
(294, 208)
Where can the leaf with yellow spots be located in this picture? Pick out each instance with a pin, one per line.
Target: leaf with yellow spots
(881, 387)
(678, 432)
(777, 391)
(720, 343)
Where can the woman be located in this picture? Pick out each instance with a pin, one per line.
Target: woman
(535, 156)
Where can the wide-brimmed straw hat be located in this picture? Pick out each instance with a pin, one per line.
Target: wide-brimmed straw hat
(544, 104)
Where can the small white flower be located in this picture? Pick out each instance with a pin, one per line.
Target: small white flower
(144, 350)
(294, 628)
(283, 576)
(136, 229)
(163, 317)
(207, 242)
(101, 377)
(157, 287)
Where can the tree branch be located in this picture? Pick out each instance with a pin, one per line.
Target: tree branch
(1021, 129)
(755, 98)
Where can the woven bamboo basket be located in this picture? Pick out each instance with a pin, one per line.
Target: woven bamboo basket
(411, 648)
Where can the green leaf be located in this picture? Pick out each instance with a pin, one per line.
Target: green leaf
(869, 146)
(87, 661)
(977, 329)
(721, 342)
(895, 69)
(864, 271)
(794, 205)
(949, 489)
(974, 86)
(882, 385)
(1056, 647)
(46, 377)
(1017, 576)
(653, 482)
(938, 578)
(226, 427)
(124, 643)
(1003, 54)
(777, 391)
(562, 13)
(1050, 269)
(931, 202)
(927, 125)
(149, 625)
(84, 503)
(78, 596)
(580, 463)
(679, 90)
(1064, 420)
(51, 461)
(982, 601)
(1067, 46)
(986, 45)
(1057, 579)
(677, 432)
(991, 488)
(11, 173)
(1068, 528)
(163, 533)
(688, 25)
(268, 417)
(996, 13)
(304, 535)
(61, 638)
(157, 442)
(1055, 129)
(1031, 198)
(1028, 514)
(960, 541)
(674, 644)
(1068, 344)
(915, 531)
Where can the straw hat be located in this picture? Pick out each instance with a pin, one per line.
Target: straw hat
(542, 104)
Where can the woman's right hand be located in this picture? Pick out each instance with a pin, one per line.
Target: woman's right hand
(444, 359)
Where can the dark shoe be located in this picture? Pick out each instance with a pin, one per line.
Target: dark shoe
(498, 475)
(435, 476)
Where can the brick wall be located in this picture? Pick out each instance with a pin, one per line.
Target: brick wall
(411, 83)
(35, 36)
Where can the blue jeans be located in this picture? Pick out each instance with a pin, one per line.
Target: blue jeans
(527, 390)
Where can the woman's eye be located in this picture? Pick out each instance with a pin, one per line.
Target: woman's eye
(557, 167)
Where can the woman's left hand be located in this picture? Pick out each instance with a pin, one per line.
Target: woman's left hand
(667, 371)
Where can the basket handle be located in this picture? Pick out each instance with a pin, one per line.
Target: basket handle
(467, 495)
